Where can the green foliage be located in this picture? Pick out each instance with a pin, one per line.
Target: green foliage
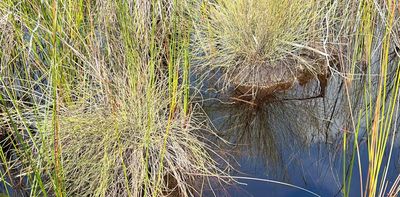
(90, 94)
(94, 95)
(236, 35)
(372, 58)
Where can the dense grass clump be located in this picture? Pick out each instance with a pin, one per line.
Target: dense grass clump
(252, 36)
(107, 153)
(94, 100)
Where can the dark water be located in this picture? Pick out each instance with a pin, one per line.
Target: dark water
(314, 165)
(291, 141)
(314, 173)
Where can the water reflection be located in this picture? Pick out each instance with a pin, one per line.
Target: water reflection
(292, 136)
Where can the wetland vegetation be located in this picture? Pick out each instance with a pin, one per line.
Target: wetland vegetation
(181, 97)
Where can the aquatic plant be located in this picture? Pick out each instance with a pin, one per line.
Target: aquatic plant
(95, 100)
(264, 43)
(94, 95)
(372, 52)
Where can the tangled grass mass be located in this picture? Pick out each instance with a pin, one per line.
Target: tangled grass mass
(105, 98)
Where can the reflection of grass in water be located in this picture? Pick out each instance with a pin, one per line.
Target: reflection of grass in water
(366, 36)
(252, 134)
(265, 133)
(116, 72)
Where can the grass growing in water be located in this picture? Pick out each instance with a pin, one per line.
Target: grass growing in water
(91, 94)
(95, 94)
(372, 59)
(247, 35)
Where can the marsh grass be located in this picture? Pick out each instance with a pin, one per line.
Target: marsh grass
(246, 35)
(94, 97)
(362, 36)
(373, 69)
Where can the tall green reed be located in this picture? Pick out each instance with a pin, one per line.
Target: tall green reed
(379, 100)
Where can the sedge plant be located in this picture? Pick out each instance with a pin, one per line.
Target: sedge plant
(95, 100)
(247, 36)
(371, 58)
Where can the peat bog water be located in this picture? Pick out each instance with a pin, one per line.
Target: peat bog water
(287, 140)
(316, 167)
(312, 170)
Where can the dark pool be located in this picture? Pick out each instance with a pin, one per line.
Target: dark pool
(294, 141)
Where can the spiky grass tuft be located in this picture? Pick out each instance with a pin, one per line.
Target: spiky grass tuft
(104, 152)
(244, 35)
(95, 96)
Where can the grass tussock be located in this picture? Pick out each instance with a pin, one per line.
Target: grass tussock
(94, 95)
(104, 154)
(247, 36)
